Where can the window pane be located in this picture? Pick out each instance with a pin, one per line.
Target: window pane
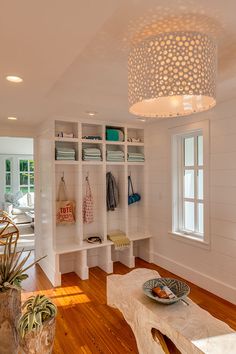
(23, 165)
(8, 179)
(200, 149)
(8, 165)
(189, 216)
(8, 189)
(31, 178)
(189, 183)
(200, 218)
(31, 189)
(23, 178)
(24, 190)
(189, 151)
(200, 184)
(31, 163)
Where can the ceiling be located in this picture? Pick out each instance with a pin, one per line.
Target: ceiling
(73, 54)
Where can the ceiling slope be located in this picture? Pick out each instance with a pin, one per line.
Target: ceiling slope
(73, 55)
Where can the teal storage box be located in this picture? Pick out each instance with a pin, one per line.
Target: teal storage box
(112, 134)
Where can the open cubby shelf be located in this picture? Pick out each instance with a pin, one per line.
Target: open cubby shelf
(69, 251)
(135, 136)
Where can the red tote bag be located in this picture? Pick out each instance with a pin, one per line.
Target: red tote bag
(65, 209)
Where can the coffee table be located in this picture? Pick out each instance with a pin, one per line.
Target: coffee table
(176, 328)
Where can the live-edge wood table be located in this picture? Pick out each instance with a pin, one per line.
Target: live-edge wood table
(190, 329)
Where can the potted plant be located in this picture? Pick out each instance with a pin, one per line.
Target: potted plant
(37, 324)
(12, 273)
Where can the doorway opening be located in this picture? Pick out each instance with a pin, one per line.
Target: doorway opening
(17, 187)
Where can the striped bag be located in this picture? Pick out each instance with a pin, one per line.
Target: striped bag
(88, 204)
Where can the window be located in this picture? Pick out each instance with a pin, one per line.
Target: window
(8, 176)
(190, 180)
(26, 168)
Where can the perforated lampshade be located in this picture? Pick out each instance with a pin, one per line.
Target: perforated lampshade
(172, 74)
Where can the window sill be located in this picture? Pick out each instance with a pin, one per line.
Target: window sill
(190, 240)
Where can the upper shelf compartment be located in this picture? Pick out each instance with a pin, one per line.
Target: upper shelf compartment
(66, 130)
(115, 134)
(92, 133)
(135, 136)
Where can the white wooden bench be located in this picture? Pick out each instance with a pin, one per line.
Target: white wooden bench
(185, 329)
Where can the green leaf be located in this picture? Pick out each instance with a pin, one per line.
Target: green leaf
(37, 309)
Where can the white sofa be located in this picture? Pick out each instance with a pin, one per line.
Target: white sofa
(17, 204)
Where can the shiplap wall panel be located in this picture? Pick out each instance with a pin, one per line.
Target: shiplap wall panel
(223, 178)
(223, 161)
(223, 194)
(224, 228)
(223, 245)
(219, 128)
(222, 211)
(216, 265)
(223, 144)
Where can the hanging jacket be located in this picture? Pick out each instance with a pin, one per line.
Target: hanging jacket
(112, 192)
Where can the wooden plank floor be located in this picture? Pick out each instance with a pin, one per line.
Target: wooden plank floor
(85, 324)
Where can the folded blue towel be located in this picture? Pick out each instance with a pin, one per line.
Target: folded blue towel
(91, 154)
(65, 158)
(115, 152)
(92, 158)
(120, 159)
(64, 150)
(135, 154)
(91, 150)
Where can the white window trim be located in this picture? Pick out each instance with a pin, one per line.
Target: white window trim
(28, 171)
(182, 130)
(9, 172)
(15, 182)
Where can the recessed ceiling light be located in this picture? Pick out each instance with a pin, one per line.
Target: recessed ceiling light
(91, 113)
(12, 118)
(15, 79)
(142, 119)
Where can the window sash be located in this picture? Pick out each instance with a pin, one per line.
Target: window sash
(29, 172)
(182, 199)
(175, 134)
(8, 187)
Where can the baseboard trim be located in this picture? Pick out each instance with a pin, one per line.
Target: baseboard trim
(215, 286)
(50, 273)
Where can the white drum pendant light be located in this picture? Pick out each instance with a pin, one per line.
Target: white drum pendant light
(172, 74)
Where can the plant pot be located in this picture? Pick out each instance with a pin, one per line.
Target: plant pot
(40, 341)
(10, 311)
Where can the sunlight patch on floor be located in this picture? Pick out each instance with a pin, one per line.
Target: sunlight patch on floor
(63, 296)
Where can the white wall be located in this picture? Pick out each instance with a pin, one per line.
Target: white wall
(214, 268)
(12, 146)
(45, 204)
(17, 129)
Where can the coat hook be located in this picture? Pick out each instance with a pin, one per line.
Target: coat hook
(87, 176)
(62, 177)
